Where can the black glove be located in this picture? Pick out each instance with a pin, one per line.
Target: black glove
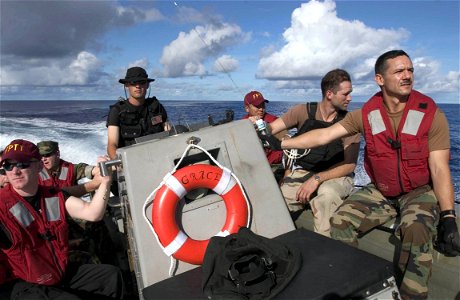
(448, 242)
(271, 140)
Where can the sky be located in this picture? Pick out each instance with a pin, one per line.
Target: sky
(221, 50)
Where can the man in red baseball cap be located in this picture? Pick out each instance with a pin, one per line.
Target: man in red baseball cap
(21, 151)
(22, 154)
(34, 233)
(254, 104)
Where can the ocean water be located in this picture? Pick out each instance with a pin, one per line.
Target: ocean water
(79, 126)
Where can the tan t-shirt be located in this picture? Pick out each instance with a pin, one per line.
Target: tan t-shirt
(297, 115)
(438, 136)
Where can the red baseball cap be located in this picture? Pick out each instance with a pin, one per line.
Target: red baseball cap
(21, 151)
(255, 98)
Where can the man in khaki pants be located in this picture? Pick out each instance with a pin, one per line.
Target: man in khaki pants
(323, 177)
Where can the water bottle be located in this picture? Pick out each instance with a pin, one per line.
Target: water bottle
(262, 128)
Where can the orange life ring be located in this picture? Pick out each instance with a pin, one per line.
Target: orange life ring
(177, 185)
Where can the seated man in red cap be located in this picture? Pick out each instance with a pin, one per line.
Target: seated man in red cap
(34, 234)
(254, 104)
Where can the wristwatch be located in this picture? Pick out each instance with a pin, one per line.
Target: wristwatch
(317, 178)
(447, 213)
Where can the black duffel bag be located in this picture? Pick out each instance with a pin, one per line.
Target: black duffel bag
(245, 265)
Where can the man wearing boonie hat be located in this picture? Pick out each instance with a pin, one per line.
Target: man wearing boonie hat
(58, 172)
(33, 219)
(137, 115)
(85, 236)
(255, 106)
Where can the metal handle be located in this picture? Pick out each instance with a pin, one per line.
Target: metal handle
(105, 165)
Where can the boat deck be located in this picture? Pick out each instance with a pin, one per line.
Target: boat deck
(445, 279)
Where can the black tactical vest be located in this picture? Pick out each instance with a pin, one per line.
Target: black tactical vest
(323, 157)
(136, 123)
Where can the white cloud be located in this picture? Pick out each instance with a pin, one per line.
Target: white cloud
(266, 34)
(130, 15)
(186, 55)
(428, 78)
(153, 15)
(84, 69)
(63, 28)
(80, 70)
(143, 63)
(319, 41)
(225, 64)
(57, 40)
(191, 15)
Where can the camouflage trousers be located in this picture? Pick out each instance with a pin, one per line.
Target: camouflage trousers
(329, 196)
(419, 213)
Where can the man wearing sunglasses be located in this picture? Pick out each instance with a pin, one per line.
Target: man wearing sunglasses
(89, 241)
(137, 116)
(58, 172)
(255, 106)
(34, 234)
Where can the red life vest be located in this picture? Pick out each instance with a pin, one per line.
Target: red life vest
(66, 176)
(5, 269)
(39, 249)
(398, 164)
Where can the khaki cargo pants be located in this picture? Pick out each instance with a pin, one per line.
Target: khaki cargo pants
(419, 212)
(330, 195)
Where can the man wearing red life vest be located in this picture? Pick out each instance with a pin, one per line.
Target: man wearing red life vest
(407, 158)
(34, 234)
(89, 241)
(61, 173)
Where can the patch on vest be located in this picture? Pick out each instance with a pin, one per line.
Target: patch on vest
(156, 120)
(413, 121)
(376, 122)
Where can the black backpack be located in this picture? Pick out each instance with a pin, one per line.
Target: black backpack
(245, 265)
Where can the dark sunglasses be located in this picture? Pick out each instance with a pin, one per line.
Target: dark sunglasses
(48, 154)
(2, 171)
(261, 105)
(140, 82)
(20, 165)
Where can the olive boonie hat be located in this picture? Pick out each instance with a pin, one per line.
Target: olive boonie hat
(47, 147)
(21, 151)
(135, 74)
